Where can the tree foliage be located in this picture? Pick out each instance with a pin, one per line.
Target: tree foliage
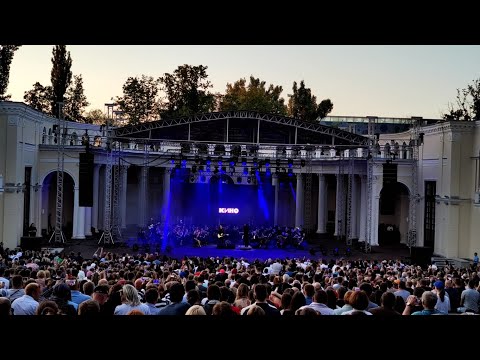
(139, 101)
(40, 97)
(96, 116)
(303, 105)
(6, 56)
(255, 96)
(467, 104)
(61, 75)
(187, 92)
(75, 100)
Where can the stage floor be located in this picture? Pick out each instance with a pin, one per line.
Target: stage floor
(311, 251)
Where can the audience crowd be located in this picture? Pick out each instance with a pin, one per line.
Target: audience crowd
(42, 283)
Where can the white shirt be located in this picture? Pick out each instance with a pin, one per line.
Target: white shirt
(24, 305)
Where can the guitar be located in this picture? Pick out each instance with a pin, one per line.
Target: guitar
(221, 236)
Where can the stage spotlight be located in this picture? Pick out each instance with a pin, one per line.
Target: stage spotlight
(267, 162)
(290, 163)
(245, 171)
(278, 163)
(249, 179)
(232, 163)
(172, 159)
(194, 169)
(255, 161)
(244, 161)
(220, 160)
(268, 172)
(224, 169)
(209, 160)
(184, 163)
(203, 178)
(290, 172)
(208, 168)
(239, 179)
(302, 163)
(201, 168)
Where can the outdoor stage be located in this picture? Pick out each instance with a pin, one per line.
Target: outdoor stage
(312, 251)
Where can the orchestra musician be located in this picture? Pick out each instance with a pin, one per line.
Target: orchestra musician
(246, 235)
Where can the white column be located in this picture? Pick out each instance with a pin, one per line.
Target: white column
(363, 208)
(81, 223)
(275, 183)
(123, 197)
(338, 195)
(322, 204)
(75, 212)
(166, 194)
(299, 202)
(96, 199)
(353, 213)
(88, 221)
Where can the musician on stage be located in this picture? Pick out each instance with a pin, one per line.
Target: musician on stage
(246, 235)
(221, 235)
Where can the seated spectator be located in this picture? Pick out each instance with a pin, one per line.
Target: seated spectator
(196, 309)
(130, 301)
(5, 307)
(387, 305)
(89, 308)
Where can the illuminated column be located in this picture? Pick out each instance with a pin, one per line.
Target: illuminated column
(299, 202)
(166, 195)
(322, 204)
(276, 184)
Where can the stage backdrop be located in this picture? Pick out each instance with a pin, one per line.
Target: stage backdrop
(199, 203)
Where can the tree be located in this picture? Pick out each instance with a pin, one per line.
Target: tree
(324, 108)
(186, 91)
(96, 117)
(75, 100)
(6, 56)
(303, 105)
(61, 75)
(40, 97)
(139, 99)
(254, 97)
(468, 104)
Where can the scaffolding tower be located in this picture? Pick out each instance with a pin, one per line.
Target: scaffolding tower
(57, 235)
(144, 188)
(372, 120)
(117, 189)
(412, 219)
(107, 236)
(341, 196)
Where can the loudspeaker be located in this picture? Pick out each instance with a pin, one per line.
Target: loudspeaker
(389, 173)
(31, 243)
(85, 185)
(421, 255)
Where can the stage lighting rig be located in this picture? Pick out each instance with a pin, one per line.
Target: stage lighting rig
(290, 163)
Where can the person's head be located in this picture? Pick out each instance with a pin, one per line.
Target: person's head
(176, 292)
(359, 300)
(307, 311)
(347, 296)
(47, 307)
(196, 309)
(151, 296)
(130, 295)
(223, 308)
(100, 294)
(242, 291)
(5, 306)
(260, 292)
(388, 300)
(429, 300)
(33, 290)
(256, 310)
(88, 288)
(135, 312)
(89, 307)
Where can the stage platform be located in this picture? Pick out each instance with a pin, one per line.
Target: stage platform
(324, 250)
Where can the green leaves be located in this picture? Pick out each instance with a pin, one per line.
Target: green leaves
(6, 56)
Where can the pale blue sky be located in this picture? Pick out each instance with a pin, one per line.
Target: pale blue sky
(391, 81)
